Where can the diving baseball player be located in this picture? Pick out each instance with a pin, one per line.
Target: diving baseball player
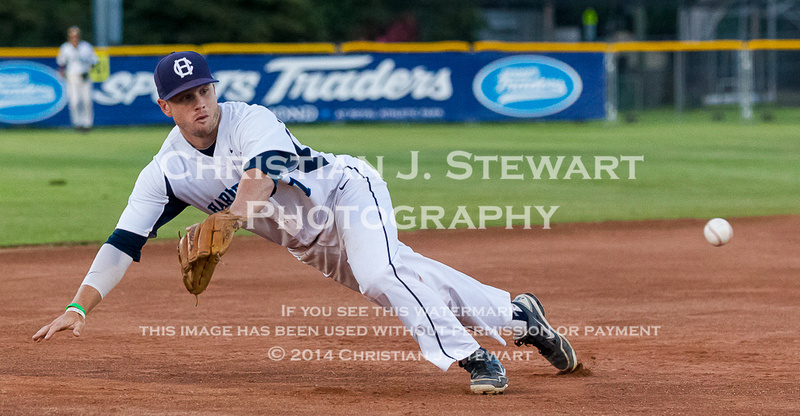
(332, 212)
(75, 58)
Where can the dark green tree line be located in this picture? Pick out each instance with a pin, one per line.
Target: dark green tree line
(44, 23)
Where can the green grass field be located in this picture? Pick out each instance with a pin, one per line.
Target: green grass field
(61, 186)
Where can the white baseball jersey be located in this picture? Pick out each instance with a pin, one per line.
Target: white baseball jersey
(77, 60)
(331, 212)
(181, 175)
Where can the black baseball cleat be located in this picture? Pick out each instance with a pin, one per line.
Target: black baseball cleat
(487, 375)
(554, 347)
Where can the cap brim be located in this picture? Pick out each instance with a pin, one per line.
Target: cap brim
(189, 85)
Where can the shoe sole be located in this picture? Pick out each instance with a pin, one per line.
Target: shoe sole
(487, 389)
(539, 309)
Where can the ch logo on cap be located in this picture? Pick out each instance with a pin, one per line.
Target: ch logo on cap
(183, 67)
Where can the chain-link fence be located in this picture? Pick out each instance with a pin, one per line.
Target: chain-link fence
(725, 79)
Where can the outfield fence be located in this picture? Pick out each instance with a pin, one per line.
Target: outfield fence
(438, 81)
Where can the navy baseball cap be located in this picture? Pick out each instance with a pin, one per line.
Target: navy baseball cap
(180, 71)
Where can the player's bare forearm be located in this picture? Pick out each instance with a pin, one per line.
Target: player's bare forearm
(88, 297)
(255, 186)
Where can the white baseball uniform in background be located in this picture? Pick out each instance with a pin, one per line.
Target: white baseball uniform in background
(332, 212)
(77, 61)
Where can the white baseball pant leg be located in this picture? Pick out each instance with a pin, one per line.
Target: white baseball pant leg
(79, 94)
(382, 266)
(476, 305)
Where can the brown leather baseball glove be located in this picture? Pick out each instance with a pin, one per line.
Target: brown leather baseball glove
(200, 249)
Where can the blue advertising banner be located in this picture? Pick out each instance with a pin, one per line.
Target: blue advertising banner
(129, 94)
(443, 86)
(562, 86)
(31, 91)
(127, 97)
(352, 87)
(450, 86)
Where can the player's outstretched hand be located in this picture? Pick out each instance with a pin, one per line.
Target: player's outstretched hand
(68, 320)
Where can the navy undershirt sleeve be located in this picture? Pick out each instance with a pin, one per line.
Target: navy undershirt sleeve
(128, 243)
(274, 164)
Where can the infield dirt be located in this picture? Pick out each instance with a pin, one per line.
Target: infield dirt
(664, 322)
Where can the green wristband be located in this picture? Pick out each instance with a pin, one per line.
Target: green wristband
(75, 305)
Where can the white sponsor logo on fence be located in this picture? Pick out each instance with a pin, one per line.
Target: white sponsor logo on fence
(339, 79)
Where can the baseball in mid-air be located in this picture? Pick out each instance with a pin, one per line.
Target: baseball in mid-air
(718, 231)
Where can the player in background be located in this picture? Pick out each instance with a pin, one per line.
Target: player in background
(257, 162)
(75, 58)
